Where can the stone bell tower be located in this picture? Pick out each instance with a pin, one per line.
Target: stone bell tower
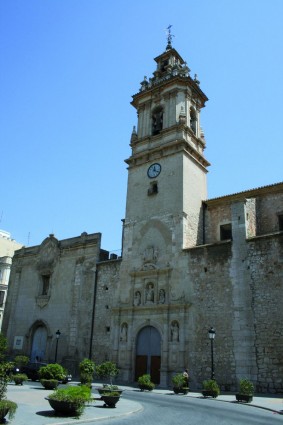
(166, 186)
(167, 167)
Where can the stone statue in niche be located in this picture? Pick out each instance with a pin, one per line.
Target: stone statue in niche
(124, 332)
(137, 298)
(161, 298)
(149, 294)
(175, 331)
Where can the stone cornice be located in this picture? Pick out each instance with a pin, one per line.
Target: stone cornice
(148, 308)
(150, 272)
(242, 196)
(166, 149)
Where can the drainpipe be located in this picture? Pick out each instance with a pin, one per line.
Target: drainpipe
(123, 229)
(93, 313)
(204, 207)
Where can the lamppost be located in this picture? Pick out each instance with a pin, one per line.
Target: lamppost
(58, 333)
(211, 334)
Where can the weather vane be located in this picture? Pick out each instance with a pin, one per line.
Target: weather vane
(169, 37)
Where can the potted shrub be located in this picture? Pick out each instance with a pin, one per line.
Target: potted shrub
(71, 400)
(19, 378)
(7, 407)
(86, 368)
(50, 375)
(21, 361)
(110, 398)
(180, 384)
(246, 391)
(107, 370)
(145, 383)
(210, 388)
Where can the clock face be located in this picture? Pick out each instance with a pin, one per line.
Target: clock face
(154, 170)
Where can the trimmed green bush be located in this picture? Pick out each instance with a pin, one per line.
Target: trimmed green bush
(52, 371)
(211, 385)
(246, 387)
(145, 383)
(86, 368)
(75, 396)
(107, 370)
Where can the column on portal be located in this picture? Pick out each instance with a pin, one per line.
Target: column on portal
(182, 338)
(164, 356)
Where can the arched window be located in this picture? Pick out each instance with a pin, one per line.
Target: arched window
(157, 120)
(193, 120)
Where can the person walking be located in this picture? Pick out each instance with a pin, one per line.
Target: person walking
(186, 377)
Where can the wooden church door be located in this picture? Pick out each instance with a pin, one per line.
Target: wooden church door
(148, 354)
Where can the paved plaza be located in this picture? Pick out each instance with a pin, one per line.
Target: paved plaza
(34, 409)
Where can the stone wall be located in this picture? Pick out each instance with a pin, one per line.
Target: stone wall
(266, 270)
(107, 281)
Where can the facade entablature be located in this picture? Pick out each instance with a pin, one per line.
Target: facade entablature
(175, 307)
(165, 83)
(278, 234)
(150, 272)
(163, 139)
(208, 245)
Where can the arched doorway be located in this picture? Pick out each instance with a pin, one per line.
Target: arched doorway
(148, 353)
(38, 351)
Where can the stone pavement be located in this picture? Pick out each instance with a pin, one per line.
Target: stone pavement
(35, 410)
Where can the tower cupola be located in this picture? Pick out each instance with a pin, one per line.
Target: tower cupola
(168, 106)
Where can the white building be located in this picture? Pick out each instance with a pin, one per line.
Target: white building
(7, 248)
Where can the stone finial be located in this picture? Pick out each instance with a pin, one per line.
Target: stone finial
(196, 80)
(134, 135)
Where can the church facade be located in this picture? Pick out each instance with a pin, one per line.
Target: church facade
(188, 263)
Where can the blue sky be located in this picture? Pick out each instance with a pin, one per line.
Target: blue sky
(68, 70)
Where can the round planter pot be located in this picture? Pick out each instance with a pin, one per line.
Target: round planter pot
(145, 388)
(102, 391)
(3, 413)
(7, 407)
(244, 397)
(18, 381)
(65, 407)
(209, 393)
(49, 384)
(180, 390)
(110, 400)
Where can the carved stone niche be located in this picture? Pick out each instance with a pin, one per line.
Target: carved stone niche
(149, 258)
(48, 255)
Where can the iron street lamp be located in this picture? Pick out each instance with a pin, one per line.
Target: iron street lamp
(211, 334)
(58, 333)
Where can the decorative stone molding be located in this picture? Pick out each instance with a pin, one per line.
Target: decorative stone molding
(42, 300)
(48, 255)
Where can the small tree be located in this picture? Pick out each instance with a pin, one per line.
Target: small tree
(3, 347)
(52, 371)
(179, 381)
(5, 405)
(21, 361)
(87, 368)
(107, 370)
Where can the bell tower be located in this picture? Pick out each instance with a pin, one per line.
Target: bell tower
(167, 168)
(166, 186)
